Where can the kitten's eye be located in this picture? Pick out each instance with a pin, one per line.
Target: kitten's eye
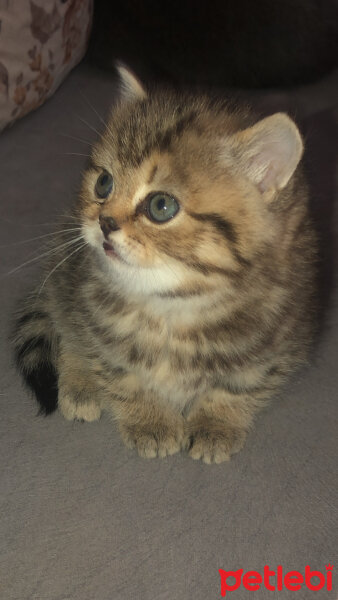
(162, 207)
(104, 185)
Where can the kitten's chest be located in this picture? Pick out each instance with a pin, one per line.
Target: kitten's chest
(165, 361)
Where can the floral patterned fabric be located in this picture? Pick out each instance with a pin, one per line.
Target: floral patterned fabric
(40, 42)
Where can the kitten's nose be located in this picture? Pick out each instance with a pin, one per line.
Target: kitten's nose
(107, 225)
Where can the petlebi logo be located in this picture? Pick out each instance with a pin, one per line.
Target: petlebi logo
(276, 580)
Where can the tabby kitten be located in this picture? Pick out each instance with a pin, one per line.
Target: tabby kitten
(188, 297)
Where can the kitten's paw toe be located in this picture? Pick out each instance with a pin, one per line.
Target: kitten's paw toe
(81, 411)
(150, 443)
(145, 445)
(214, 443)
(208, 454)
(169, 446)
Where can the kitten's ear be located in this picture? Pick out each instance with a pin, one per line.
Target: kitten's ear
(269, 152)
(130, 87)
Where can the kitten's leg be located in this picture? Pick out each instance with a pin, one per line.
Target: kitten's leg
(218, 425)
(79, 391)
(149, 426)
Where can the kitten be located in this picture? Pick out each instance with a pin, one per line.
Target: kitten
(187, 299)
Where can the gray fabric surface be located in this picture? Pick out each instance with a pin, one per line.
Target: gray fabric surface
(82, 517)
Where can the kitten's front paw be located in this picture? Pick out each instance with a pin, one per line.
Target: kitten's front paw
(87, 410)
(152, 440)
(213, 441)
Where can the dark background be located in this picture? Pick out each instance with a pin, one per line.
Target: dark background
(239, 43)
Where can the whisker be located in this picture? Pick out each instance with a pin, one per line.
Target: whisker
(102, 303)
(48, 224)
(74, 154)
(59, 265)
(72, 137)
(49, 252)
(65, 216)
(88, 125)
(39, 237)
(54, 249)
(93, 109)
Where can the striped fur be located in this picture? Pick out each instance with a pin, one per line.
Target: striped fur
(195, 324)
(33, 343)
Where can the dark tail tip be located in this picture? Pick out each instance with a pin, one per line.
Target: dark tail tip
(43, 382)
(39, 374)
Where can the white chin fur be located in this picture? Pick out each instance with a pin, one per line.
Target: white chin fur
(134, 278)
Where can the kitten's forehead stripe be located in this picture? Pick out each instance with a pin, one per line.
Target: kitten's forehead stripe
(165, 138)
(138, 137)
(152, 174)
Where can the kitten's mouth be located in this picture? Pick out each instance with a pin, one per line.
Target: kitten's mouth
(110, 251)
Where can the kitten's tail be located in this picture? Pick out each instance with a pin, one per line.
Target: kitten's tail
(35, 350)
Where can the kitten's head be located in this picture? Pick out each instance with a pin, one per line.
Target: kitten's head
(180, 188)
